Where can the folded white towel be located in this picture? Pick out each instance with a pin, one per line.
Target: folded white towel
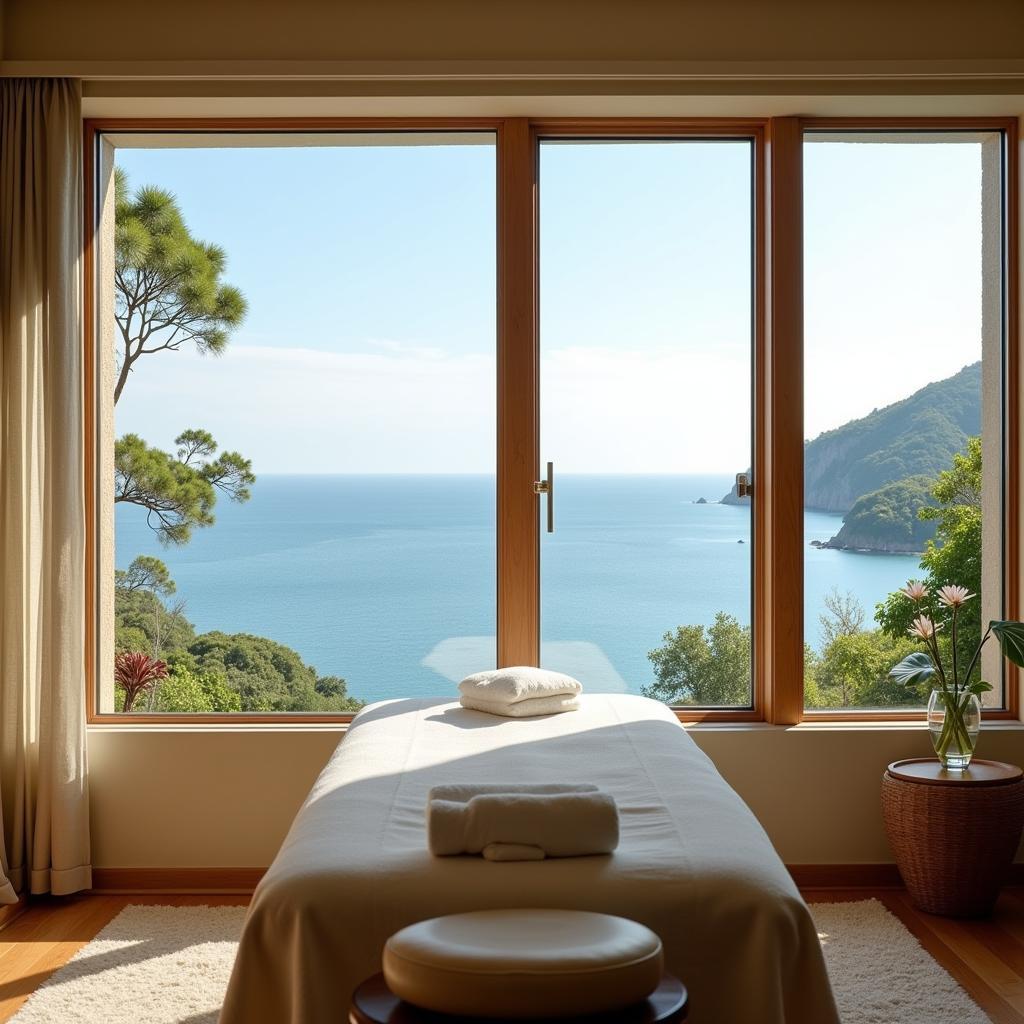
(522, 682)
(567, 824)
(512, 851)
(524, 708)
(462, 793)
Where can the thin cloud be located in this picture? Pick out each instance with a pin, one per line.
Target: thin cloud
(400, 409)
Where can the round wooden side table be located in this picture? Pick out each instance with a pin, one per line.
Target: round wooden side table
(954, 834)
(374, 1003)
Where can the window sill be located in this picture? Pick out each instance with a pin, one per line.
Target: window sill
(216, 727)
(820, 725)
(862, 725)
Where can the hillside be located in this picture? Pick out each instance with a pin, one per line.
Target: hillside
(886, 519)
(916, 436)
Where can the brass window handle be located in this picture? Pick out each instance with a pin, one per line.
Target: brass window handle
(548, 487)
(744, 486)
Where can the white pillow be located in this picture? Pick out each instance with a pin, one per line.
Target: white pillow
(521, 682)
(529, 708)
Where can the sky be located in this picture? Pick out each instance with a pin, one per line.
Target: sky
(369, 344)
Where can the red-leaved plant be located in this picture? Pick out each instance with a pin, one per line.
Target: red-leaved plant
(136, 673)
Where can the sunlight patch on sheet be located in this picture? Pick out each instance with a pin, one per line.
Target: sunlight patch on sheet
(459, 656)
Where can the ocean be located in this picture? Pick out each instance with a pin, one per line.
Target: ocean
(389, 581)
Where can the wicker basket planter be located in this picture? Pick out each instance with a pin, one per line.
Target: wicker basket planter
(954, 834)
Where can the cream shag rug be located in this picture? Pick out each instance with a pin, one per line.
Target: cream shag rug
(170, 965)
(882, 975)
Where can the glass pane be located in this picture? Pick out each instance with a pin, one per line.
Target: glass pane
(347, 552)
(645, 333)
(902, 480)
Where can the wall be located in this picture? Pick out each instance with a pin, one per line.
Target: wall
(225, 797)
(393, 30)
(221, 798)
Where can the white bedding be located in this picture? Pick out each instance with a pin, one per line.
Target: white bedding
(693, 863)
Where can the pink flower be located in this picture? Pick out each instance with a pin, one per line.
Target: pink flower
(915, 590)
(953, 596)
(924, 627)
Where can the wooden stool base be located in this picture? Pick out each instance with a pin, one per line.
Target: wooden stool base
(374, 1003)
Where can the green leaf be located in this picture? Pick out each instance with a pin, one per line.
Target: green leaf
(1011, 639)
(913, 669)
(979, 687)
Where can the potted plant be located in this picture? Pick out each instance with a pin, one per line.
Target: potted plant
(954, 708)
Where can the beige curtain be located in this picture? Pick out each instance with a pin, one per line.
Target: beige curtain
(44, 802)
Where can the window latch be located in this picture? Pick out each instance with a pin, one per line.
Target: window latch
(548, 487)
(744, 486)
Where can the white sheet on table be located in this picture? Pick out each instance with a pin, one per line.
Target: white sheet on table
(693, 863)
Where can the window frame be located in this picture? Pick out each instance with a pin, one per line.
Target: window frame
(523, 604)
(777, 376)
(94, 129)
(1008, 128)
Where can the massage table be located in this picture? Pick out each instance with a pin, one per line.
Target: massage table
(693, 863)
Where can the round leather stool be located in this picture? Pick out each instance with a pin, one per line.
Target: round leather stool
(374, 1003)
(554, 965)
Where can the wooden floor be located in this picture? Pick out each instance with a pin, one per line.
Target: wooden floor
(986, 957)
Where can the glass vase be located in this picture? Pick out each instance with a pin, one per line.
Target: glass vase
(953, 722)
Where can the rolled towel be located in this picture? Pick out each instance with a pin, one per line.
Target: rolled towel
(567, 824)
(521, 682)
(462, 793)
(530, 708)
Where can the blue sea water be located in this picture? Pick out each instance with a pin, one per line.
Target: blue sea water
(389, 581)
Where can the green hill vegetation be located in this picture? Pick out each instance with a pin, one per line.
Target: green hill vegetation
(887, 519)
(916, 436)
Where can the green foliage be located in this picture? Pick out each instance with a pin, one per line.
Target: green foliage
(334, 688)
(916, 436)
(703, 665)
(914, 670)
(843, 615)
(710, 666)
(888, 519)
(853, 671)
(169, 290)
(145, 573)
(268, 675)
(954, 557)
(178, 491)
(142, 622)
(1011, 639)
(213, 671)
(853, 667)
(194, 692)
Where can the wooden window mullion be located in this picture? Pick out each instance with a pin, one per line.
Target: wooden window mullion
(778, 496)
(518, 398)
